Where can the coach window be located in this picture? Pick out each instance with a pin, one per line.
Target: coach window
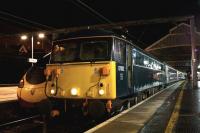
(139, 59)
(146, 61)
(134, 56)
(120, 51)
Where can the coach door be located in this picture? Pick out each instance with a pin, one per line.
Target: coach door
(121, 67)
(129, 68)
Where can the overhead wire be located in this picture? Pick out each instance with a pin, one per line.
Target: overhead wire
(82, 4)
(78, 3)
(89, 10)
(20, 23)
(25, 20)
(93, 11)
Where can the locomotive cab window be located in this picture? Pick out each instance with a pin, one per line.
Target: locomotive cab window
(62, 52)
(75, 50)
(94, 50)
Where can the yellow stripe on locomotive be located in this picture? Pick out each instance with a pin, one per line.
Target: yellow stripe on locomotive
(82, 80)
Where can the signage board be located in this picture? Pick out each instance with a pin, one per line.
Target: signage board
(32, 60)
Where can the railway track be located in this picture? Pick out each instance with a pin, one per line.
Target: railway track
(31, 124)
(18, 121)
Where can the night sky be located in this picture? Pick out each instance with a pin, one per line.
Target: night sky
(51, 14)
(68, 13)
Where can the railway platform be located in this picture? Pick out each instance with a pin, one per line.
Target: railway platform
(8, 93)
(186, 114)
(152, 115)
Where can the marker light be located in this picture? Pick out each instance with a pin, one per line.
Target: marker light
(74, 91)
(21, 83)
(53, 91)
(104, 71)
(101, 92)
(47, 72)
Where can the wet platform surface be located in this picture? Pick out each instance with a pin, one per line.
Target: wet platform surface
(180, 117)
(8, 93)
(189, 113)
(137, 118)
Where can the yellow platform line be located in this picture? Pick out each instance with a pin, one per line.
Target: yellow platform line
(174, 117)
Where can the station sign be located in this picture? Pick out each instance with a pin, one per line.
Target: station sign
(32, 60)
(23, 49)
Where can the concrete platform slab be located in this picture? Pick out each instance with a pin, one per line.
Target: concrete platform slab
(132, 120)
(8, 93)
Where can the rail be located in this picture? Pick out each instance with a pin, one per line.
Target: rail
(18, 121)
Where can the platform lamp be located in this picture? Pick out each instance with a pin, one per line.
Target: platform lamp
(25, 37)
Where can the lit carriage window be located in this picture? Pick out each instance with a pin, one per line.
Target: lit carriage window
(94, 50)
(146, 61)
(151, 64)
(134, 56)
(139, 59)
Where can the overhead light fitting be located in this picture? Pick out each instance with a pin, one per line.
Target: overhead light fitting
(24, 37)
(41, 35)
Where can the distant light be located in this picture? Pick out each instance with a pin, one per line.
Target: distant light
(38, 43)
(123, 36)
(41, 35)
(24, 37)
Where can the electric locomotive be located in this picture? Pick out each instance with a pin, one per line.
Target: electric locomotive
(98, 71)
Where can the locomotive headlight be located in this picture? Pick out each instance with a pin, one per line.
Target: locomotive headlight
(53, 91)
(74, 91)
(101, 92)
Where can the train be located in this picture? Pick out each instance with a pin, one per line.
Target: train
(31, 87)
(99, 72)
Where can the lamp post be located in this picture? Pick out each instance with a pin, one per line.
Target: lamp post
(32, 49)
(194, 56)
(24, 37)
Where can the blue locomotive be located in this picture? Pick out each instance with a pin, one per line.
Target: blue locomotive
(99, 72)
